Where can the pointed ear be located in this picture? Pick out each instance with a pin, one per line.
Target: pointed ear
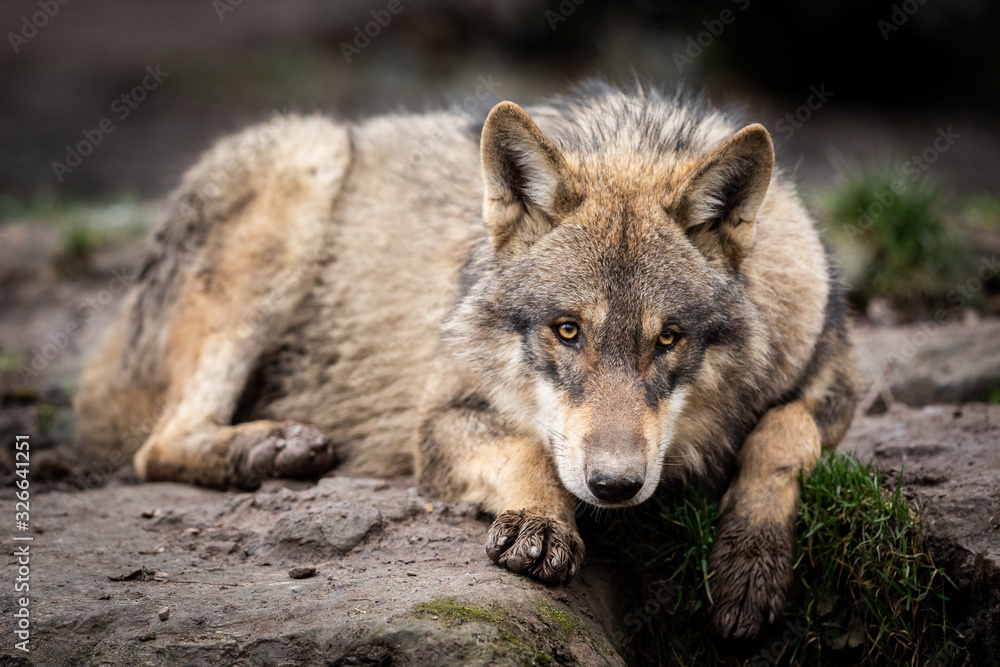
(718, 202)
(528, 184)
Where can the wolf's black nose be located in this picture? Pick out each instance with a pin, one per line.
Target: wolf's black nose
(613, 488)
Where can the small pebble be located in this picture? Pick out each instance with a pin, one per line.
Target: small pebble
(411, 574)
(165, 613)
(302, 572)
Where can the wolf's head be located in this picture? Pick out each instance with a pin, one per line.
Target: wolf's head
(612, 290)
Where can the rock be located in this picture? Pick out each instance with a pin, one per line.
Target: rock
(164, 613)
(336, 530)
(950, 462)
(928, 363)
(302, 572)
(947, 458)
(365, 610)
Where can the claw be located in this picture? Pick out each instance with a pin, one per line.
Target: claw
(542, 548)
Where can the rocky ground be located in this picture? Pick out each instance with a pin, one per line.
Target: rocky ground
(344, 572)
(169, 574)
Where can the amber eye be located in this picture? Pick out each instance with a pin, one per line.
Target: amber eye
(667, 340)
(568, 332)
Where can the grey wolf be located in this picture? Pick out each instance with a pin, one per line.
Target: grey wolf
(574, 302)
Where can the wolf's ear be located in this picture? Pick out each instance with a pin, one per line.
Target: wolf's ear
(718, 202)
(528, 184)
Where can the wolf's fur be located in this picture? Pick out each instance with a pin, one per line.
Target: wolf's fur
(391, 291)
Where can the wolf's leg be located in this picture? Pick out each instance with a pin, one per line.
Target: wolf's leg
(194, 442)
(464, 454)
(754, 544)
(220, 287)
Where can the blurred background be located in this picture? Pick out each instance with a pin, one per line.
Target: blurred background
(884, 113)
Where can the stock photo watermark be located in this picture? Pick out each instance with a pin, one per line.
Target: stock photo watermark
(972, 625)
(57, 341)
(696, 44)
(31, 25)
(21, 626)
(957, 299)
(794, 121)
(901, 13)
(640, 616)
(792, 635)
(223, 7)
(562, 12)
(363, 35)
(195, 203)
(121, 107)
(484, 91)
(911, 170)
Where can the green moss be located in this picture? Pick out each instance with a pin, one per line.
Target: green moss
(866, 592)
(541, 659)
(448, 609)
(558, 620)
(510, 639)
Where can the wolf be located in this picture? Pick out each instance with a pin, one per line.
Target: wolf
(577, 302)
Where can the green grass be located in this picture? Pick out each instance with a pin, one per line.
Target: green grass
(79, 243)
(10, 361)
(865, 590)
(84, 228)
(982, 212)
(45, 204)
(898, 243)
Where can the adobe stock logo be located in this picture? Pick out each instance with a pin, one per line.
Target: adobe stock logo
(696, 44)
(372, 29)
(566, 8)
(793, 121)
(31, 25)
(900, 15)
(121, 107)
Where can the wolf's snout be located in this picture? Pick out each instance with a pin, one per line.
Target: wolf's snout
(613, 488)
(615, 459)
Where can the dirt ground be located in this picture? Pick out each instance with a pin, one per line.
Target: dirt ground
(395, 577)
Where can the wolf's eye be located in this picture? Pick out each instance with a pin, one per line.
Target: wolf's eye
(667, 340)
(568, 332)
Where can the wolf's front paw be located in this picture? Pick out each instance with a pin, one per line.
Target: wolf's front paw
(288, 449)
(546, 549)
(752, 575)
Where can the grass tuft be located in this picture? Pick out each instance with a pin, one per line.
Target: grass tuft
(84, 229)
(866, 592)
(898, 242)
